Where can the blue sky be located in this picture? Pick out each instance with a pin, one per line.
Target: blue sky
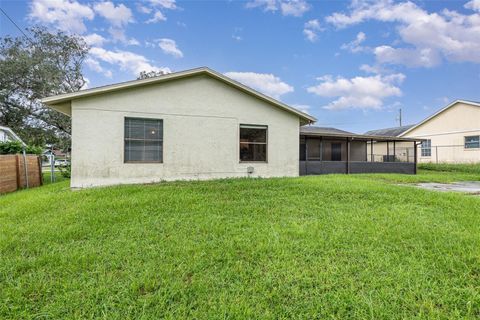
(351, 64)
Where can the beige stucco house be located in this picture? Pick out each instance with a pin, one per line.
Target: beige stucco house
(451, 135)
(195, 124)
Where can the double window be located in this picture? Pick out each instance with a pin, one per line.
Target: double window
(426, 148)
(143, 140)
(472, 142)
(253, 143)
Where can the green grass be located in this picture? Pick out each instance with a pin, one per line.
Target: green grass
(47, 177)
(450, 167)
(318, 247)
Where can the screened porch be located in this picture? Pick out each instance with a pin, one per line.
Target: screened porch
(325, 152)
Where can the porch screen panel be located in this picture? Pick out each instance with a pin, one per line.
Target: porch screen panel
(143, 140)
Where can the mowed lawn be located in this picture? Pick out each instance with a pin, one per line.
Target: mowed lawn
(318, 247)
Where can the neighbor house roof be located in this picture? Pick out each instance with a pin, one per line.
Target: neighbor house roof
(322, 130)
(472, 103)
(337, 133)
(60, 100)
(9, 132)
(395, 131)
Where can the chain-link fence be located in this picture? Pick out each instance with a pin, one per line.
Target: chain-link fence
(448, 154)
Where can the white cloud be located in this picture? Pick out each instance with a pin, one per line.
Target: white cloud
(158, 6)
(125, 60)
(169, 46)
(269, 5)
(118, 16)
(66, 15)
(236, 34)
(376, 69)
(143, 9)
(263, 82)
(86, 84)
(355, 45)
(409, 57)
(294, 8)
(94, 39)
(358, 92)
(473, 5)
(95, 66)
(302, 107)
(118, 34)
(430, 37)
(157, 17)
(167, 4)
(311, 28)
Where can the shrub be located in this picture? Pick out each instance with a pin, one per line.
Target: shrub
(14, 147)
(65, 171)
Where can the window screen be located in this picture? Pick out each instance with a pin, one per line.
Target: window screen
(472, 142)
(143, 140)
(426, 149)
(253, 143)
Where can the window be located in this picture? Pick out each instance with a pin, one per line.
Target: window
(143, 140)
(426, 148)
(253, 143)
(472, 142)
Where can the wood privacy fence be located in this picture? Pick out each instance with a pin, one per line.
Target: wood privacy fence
(13, 169)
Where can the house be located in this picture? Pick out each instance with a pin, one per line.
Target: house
(451, 135)
(194, 124)
(6, 134)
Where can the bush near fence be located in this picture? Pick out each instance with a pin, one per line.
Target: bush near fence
(12, 172)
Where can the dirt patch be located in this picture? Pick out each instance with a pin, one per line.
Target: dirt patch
(470, 187)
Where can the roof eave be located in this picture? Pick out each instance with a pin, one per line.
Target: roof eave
(55, 100)
(437, 113)
(361, 136)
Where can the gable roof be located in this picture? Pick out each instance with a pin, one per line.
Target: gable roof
(472, 103)
(394, 131)
(67, 97)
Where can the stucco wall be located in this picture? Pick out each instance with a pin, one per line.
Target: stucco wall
(201, 118)
(447, 132)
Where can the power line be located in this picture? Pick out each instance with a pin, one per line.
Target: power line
(16, 25)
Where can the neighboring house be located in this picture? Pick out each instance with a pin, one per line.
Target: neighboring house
(6, 134)
(451, 135)
(194, 124)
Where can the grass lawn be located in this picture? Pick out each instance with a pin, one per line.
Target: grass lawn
(324, 247)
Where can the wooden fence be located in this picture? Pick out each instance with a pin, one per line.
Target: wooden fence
(12, 172)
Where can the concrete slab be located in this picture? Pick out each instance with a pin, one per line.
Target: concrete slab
(471, 187)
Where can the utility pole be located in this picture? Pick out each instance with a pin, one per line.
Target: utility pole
(399, 117)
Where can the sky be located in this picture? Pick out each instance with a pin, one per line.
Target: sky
(351, 64)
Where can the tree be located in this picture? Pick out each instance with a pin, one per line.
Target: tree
(150, 74)
(36, 66)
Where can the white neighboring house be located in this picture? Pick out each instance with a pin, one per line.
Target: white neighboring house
(195, 124)
(6, 134)
(452, 135)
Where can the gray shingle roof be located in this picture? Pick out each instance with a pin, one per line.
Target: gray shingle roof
(392, 132)
(322, 130)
